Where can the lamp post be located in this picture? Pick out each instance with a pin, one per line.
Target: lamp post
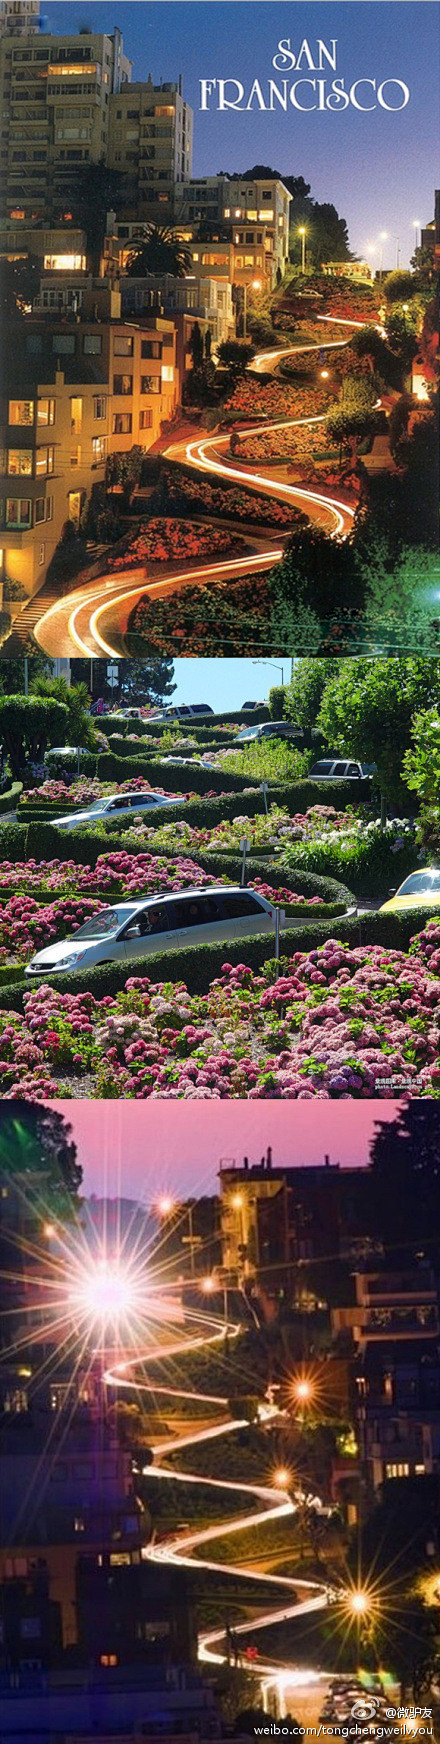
(417, 227)
(396, 239)
(270, 663)
(302, 234)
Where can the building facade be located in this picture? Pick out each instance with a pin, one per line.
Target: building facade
(54, 97)
(151, 142)
(257, 213)
(71, 393)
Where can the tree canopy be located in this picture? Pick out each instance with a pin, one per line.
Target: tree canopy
(28, 724)
(368, 708)
(36, 1140)
(161, 252)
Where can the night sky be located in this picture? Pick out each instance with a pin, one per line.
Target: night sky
(378, 169)
(142, 1149)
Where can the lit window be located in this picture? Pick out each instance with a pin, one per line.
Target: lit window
(20, 462)
(21, 412)
(123, 345)
(98, 449)
(44, 461)
(100, 406)
(46, 412)
(146, 419)
(42, 555)
(167, 372)
(79, 1524)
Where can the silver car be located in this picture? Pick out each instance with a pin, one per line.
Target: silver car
(157, 923)
(117, 805)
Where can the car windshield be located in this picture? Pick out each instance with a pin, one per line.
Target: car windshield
(250, 733)
(419, 882)
(105, 923)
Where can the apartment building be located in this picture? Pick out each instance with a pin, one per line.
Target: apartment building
(397, 1374)
(256, 211)
(207, 300)
(19, 17)
(151, 142)
(55, 96)
(70, 392)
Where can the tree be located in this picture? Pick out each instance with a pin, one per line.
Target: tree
(28, 724)
(125, 469)
(12, 673)
(35, 1141)
(276, 702)
(98, 191)
(147, 681)
(399, 286)
(405, 1159)
(306, 689)
(235, 355)
(421, 767)
(196, 346)
(161, 252)
(354, 417)
(76, 699)
(367, 711)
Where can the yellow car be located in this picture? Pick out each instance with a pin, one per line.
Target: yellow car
(420, 890)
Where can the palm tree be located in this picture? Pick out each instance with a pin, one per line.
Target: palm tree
(161, 252)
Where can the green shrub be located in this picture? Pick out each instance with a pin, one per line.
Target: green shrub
(111, 768)
(10, 799)
(369, 861)
(12, 842)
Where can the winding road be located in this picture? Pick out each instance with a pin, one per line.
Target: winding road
(91, 620)
(293, 1597)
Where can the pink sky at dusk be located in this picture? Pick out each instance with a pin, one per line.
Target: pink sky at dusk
(139, 1149)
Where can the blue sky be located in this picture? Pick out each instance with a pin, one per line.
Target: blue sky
(226, 684)
(377, 168)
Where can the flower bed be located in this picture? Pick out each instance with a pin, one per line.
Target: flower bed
(214, 620)
(350, 1021)
(116, 874)
(169, 540)
(291, 444)
(274, 399)
(81, 793)
(178, 491)
(356, 849)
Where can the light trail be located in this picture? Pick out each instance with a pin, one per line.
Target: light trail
(76, 622)
(185, 1547)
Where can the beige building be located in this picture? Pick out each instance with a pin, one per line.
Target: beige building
(54, 97)
(258, 211)
(19, 17)
(77, 392)
(151, 140)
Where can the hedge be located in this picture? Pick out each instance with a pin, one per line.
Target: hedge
(198, 965)
(10, 799)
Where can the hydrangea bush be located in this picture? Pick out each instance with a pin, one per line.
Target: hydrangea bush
(340, 1022)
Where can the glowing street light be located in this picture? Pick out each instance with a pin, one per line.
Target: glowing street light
(325, 374)
(105, 1295)
(302, 233)
(207, 1285)
(237, 1201)
(358, 1602)
(416, 224)
(165, 1205)
(303, 1391)
(281, 1477)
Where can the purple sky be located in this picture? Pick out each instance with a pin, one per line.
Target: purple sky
(141, 1149)
(378, 168)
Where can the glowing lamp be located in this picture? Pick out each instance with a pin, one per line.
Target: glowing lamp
(207, 1285)
(165, 1205)
(104, 1296)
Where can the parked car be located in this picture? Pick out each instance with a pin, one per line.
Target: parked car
(267, 730)
(187, 762)
(420, 890)
(117, 805)
(337, 769)
(251, 705)
(181, 712)
(134, 929)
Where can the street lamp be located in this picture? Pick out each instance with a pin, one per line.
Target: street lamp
(270, 663)
(396, 239)
(417, 226)
(302, 234)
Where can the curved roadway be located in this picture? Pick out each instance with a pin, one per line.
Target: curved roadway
(92, 618)
(293, 1597)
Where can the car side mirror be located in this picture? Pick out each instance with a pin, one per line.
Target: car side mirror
(393, 892)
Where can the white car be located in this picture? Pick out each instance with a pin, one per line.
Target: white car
(117, 805)
(134, 929)
(336, 769)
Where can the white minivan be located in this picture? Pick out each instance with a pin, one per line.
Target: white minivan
(157, 923)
